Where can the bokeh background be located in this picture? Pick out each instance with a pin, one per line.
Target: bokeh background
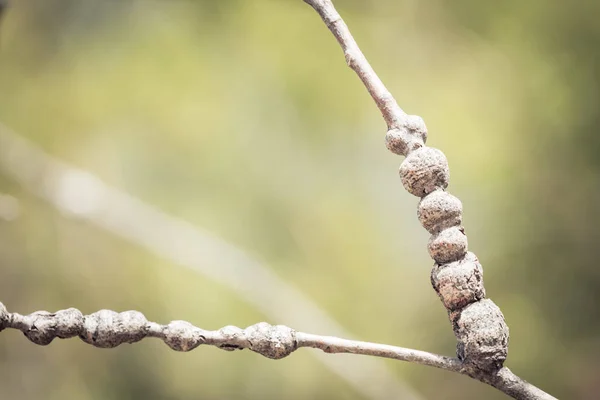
(241, 118)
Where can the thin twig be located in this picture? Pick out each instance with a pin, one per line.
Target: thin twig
(330, 344)
(502, 379)
(391, 112)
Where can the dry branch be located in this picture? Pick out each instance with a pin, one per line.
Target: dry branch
(457, 275)
(478, 323)
(108, 329)
(78, 193)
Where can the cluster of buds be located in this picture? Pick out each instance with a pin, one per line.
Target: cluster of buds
(108, 329)
(457, 275)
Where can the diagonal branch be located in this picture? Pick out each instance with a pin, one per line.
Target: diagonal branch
(107, 329)
(391, 112)
(478, 323)
(503, 379)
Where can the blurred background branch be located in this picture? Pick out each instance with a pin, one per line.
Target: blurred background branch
(78, 193)
(9, 207)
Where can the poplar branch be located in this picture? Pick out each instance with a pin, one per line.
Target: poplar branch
(109, 329)
(391, 112)
(178, 242)
(478, 323)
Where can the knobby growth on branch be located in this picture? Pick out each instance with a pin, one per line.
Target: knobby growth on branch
(457, 275)
(108, 329)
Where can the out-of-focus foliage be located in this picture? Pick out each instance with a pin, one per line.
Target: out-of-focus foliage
(241, 117)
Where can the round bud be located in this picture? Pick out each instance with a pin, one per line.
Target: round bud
(69, 323)
(132, 326)
(448, 245)
(401, 141)
(439, 210)
(482, 335)
(107, 328)
(274, 342)
(182, 336)
(424, 170)
(41, 328)
(459, 283)
(416, 127)
(411, 136)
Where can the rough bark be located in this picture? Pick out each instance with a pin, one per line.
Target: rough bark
(109, 329)
(457, 276)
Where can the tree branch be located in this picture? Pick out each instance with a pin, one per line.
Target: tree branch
(502, 379)
(331, 344)
(457, 275)
(424, 174)
(181, 243)
(391, 112)
(108, 329)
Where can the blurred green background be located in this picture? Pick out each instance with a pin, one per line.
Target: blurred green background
(242, 118)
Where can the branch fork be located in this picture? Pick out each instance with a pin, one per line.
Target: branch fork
(477, 322)
(457, 275)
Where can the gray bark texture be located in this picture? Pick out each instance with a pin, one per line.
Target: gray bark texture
(108, 329)
(457, 275)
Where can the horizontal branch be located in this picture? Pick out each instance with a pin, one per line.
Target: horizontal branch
(331, 344)
(181, 243)
(108, 329)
